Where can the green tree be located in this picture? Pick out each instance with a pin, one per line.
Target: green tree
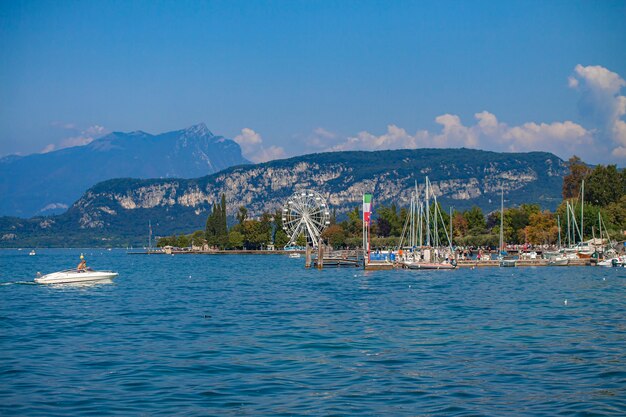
(183, 241)
(242, 214)
(280, 237)
(515, 221)
(216, 229)
(235, 240)
(578, 171)
(388, 222)
(604, 185)
(166, 241)
(222, 225)
(198, 238)
(254, 234)
(460, 225)
(542, 228)
(267, 222)
(334, 235)
(475, 220)
(383, 227)
(301, 240)
(616, 216)
(354, 225)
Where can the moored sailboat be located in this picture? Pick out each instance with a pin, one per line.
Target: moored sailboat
(423, 249)
(505, 261)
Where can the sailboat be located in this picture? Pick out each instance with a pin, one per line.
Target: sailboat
(504, 262)
(583, 249)
(431, 255)
(557, 258)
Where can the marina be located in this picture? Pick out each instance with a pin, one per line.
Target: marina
(355, 258)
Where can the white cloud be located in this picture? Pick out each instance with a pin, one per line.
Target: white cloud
(602, 140)
(619, 132)
(619, 152)
(248, 138)
(320, 131)
(252, 147)
(269, 154)
(81, 138)
(563, 138)
(601, 104)
(319, 140)
(598, 78)
(48, 148)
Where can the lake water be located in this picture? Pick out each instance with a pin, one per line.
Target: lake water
(260, 335)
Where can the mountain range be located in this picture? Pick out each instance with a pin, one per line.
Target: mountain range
(116, 212)
(49, 183)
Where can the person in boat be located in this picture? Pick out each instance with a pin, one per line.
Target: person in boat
(82, 266)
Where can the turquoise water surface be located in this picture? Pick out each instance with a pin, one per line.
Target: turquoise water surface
(260, 335)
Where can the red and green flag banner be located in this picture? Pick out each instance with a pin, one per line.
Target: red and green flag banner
(367, 208)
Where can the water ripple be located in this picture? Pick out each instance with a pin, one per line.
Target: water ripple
(263, 336)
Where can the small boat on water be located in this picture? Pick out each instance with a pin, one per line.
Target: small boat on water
(72, 276)
(613, 262)
(558, 261)
(429, 265)
(508, 263)
(295, 255)
(32, 253)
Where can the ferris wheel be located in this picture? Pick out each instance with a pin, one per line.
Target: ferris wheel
(306, 212)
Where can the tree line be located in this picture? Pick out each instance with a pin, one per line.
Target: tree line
(604, 195)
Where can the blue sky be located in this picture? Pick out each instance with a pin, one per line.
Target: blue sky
(291, 77)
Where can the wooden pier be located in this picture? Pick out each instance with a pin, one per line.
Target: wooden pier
(333, 259)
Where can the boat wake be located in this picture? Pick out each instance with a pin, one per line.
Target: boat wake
(18, 283)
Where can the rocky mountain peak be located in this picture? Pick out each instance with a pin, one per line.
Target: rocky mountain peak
(199, 129)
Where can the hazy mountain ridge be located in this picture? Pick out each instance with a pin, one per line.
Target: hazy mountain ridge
(45, 183)
(117, 211)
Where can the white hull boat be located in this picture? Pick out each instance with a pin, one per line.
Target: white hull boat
(612, 263)
(508, 263)
(558, 261)
(72, 276)
(429, 265)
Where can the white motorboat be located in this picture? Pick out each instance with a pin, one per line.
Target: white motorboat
(508, 263)
(71, 276)
(558, 261)
(613, 262)
(32, 253)
(429, 265)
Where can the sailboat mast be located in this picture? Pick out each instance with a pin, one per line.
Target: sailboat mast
(569, 242)
(501, 220)
(421, 223)
(600, 227)
(412, 223)
(558, 222)
(427, 213)
(418, 220)
(450, 226)
(582, 217)
(436, 228)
